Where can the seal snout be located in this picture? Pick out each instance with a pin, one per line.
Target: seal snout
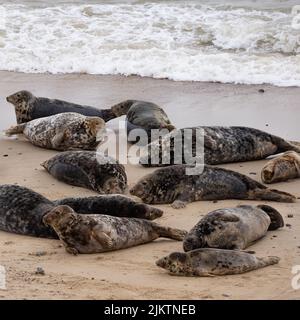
(162, 263)
(191, 243)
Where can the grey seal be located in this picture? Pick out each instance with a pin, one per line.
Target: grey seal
(88, 169)
(28, 107)
(143, 115)
(101, 233)
(172, 185)
(207, 262)
(22, 209)
(233, 228)
(221, 145)
(114, 205)
(282, 168)
(65, 131)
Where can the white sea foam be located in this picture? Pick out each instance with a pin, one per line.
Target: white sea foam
(178, 41)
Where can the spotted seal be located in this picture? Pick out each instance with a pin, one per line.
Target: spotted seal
(22, 209)
(28, 107)
(172, 185)
(113, 205)
(282, 168)
(233, 228)
(65, 131)
(101, 233)
(207, 262)
(88, 169)
(221, 145)
(143, 115)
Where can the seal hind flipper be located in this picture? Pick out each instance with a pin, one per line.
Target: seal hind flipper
(18, 129)
(170, 233)
(284, 145)
(58, 139)
(276, 218)
(271, 195)
(267, 261)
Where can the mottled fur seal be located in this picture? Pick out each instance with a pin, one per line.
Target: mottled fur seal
(207, 262)
(28, 107)
(88, 169)
(101, 233)
(233, 228)
(65, 131)
(282, 168)
(113, 205)
(172, 185)
(221, 145)
(143, 115)
(22, 209)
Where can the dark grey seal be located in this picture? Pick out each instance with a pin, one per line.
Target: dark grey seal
(88, 169)
(22, 209)
(28, 107)
(233, 228)
(221, 145)
(113, 205)
(143, 115)
(101, 233)
(172, 185)
(207, 262)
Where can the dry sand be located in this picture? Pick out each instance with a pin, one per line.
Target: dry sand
(131, 273)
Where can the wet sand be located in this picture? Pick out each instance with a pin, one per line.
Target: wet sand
(131, 273)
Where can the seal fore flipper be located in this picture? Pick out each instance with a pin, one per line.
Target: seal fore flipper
(18, 129)
(102, 237)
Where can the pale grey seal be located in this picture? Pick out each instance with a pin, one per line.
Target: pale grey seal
(233, 228)
(101, 233)
(207, 262)
(282, 168)
(65, 131)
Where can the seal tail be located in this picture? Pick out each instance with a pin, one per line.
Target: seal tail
(267, 261)
(15, 129)
(276, 218)
(271, 195)
(170, 233)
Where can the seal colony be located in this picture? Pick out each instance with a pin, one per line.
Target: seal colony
(110, 222)
(64, 131)
(88, 169)
(233, 228)
(28, 107)
(172, 185)
(101, 233)
(221, 145)
(22, 209)
(207, 262)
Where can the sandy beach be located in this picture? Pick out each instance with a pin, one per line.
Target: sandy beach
(132, 273)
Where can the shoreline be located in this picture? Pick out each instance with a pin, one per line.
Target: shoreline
(186, 103)
(131, 273)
